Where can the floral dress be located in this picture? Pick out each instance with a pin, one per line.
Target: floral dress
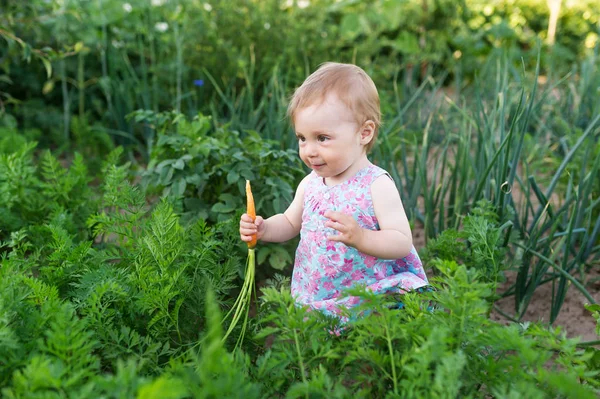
(323, 269)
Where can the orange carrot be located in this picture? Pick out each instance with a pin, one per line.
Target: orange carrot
(241, 306)
(250, 210)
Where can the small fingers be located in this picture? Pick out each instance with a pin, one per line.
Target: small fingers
(248, 231)
(336, 226)
(246, 238)
(247, 227)
(339, 217)
(247, 222)
(246, 218)
(338, 238)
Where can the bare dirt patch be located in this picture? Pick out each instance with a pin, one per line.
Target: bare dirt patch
(573, 318)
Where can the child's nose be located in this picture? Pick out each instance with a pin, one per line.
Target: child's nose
(311, 150)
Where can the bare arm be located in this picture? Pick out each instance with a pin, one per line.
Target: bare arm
(393, 240)
(278, 228)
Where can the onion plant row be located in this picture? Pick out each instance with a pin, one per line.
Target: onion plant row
(531, 149)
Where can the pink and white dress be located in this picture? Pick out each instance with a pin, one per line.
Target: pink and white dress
(323, 269)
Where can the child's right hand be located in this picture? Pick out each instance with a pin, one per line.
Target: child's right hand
(249, 228)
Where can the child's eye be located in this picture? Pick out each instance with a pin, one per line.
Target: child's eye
(322, 138)
(301, 139)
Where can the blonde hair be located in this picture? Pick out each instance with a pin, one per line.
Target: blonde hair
(350, 83)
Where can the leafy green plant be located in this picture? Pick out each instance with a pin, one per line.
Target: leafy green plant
(480, 244)
(304, 348)
(64, 363)
(204, 170)
(453, 351)
(135, 292)
(216, 371)
(168, 266)
(207, 169)
(46, 192)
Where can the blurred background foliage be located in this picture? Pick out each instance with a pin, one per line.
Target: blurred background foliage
(74, 69)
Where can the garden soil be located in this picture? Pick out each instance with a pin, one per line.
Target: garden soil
(574, 319)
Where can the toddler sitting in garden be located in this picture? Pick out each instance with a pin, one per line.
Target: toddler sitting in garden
(352, 225)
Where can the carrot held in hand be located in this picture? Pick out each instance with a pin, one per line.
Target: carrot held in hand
(242, 303)
(251, 211)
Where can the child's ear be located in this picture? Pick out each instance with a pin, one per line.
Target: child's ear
(367, 132)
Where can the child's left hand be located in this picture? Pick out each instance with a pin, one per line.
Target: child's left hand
(350, 232)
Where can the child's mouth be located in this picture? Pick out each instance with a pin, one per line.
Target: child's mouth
(317, 167)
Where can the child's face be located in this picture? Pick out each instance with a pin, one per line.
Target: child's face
(329, 139)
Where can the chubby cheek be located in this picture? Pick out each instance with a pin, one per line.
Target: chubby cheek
(303, 156)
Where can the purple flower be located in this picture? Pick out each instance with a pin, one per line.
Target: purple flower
(199, 82)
